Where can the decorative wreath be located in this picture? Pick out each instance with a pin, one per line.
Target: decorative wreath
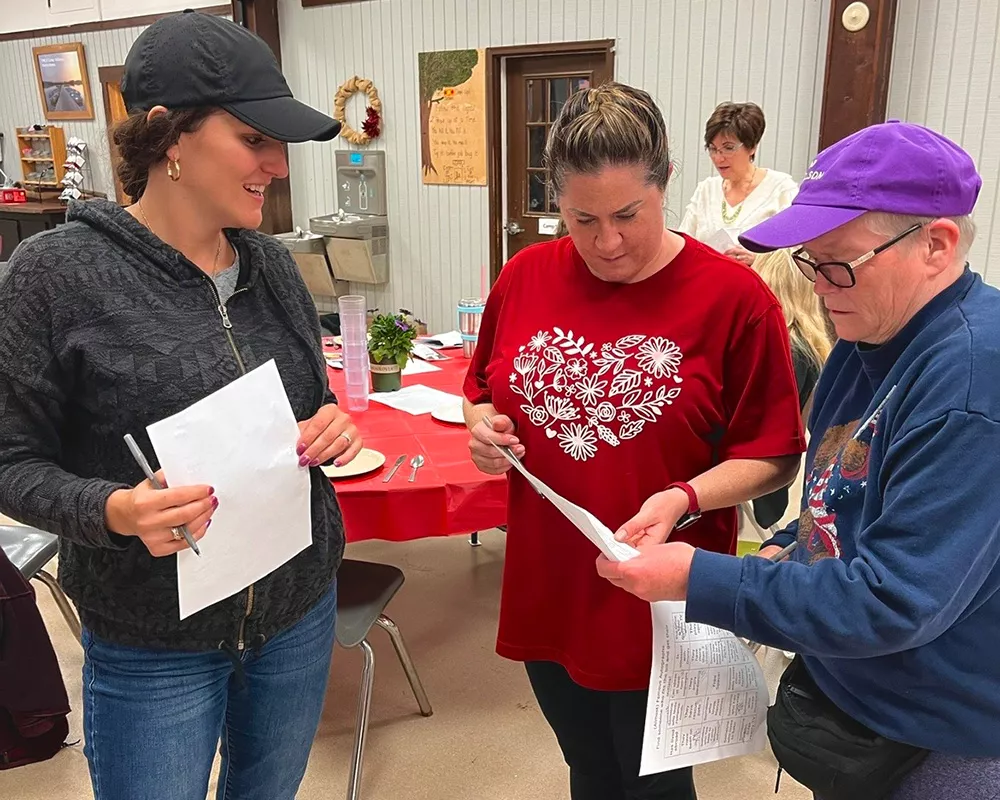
(372, 125)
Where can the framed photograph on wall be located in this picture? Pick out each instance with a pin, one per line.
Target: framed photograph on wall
(61, 70)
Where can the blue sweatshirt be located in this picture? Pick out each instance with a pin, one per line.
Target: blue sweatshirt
(892, 594)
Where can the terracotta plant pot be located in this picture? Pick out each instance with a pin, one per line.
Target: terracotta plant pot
(386, 375)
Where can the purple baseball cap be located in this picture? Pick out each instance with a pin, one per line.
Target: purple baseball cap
(894, 167)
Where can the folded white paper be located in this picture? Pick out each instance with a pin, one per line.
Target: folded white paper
(587, 523)
(240, 440)
(427, 353)
(707, 695)
(721, 241)
(416, 367)
(443, 340)
(414, 399)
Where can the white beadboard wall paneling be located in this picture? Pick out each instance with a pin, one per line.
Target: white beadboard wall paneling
(689, 54)
(946, 75)
(20, 103)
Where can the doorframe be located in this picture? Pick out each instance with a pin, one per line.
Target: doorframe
(496, 134)
(107, 76)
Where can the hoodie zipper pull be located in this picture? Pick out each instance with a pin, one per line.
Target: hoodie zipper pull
(225, 317)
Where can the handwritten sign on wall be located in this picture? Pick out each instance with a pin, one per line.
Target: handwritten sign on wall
(453, 117)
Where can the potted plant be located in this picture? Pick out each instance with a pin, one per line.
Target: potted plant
(389, 344)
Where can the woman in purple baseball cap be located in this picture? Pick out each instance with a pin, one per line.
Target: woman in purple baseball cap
(891, 597)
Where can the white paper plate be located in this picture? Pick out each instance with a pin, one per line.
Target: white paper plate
(451, 413)
(366, 461)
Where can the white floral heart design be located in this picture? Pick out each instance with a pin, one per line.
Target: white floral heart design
(585, 395)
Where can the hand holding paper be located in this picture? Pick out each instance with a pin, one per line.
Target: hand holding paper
(241, 440)
(658, 572)
(655, 520)
(488, 437)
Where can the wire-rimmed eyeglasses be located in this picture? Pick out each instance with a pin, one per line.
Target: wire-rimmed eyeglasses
(726, 150)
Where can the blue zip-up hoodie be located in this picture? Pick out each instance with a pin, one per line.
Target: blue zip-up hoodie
(892, 595)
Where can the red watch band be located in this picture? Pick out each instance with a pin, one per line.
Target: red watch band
(693, 507)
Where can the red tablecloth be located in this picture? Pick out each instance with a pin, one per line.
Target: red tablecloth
(449, 496)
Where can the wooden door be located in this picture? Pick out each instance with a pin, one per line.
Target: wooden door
(537, 87)
(114, 112)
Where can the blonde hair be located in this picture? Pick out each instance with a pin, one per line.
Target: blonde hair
(804, 316)
(615, 125)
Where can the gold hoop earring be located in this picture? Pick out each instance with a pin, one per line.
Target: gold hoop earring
(174, 169)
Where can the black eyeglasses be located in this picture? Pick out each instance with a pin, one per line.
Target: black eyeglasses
(841, 273)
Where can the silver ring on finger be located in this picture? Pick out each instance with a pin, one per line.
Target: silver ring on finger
(347, 436)
(176, 533)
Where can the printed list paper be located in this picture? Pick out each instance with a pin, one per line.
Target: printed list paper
(240, 440)
(707, 695)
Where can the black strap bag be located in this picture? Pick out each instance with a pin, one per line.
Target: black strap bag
(826, 750)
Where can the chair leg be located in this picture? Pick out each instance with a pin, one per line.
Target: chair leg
(474, 539)
(361, 729)
(404, 658)
(747, 511)
(65, 608)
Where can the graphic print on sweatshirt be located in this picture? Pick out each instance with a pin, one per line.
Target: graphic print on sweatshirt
(590, 395)
(837, 482)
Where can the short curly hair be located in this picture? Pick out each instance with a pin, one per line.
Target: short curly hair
(745, 121)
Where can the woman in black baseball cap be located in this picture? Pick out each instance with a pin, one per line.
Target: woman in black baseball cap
(209, 107)
(125, 316)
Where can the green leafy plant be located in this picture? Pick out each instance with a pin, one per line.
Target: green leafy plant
(391, 337)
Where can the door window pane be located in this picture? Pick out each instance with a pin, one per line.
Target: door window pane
(537, 187)
(536, 145)
(580, 83)
(535, 92)
(558, 94)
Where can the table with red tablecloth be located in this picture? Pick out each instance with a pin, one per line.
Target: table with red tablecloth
(450, 496)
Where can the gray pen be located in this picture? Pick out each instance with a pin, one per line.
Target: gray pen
(144, 464)
(784, 552)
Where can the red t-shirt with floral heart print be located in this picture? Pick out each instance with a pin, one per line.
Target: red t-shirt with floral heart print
(618, 390)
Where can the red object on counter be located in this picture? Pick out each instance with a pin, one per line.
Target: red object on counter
(450, 496)
(13, 196)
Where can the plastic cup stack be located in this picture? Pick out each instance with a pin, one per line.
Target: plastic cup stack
(354, 335)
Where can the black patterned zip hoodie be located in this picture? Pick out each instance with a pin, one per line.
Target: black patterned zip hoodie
(104, 329)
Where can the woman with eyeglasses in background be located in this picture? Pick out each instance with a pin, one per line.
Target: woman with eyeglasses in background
(742, 194)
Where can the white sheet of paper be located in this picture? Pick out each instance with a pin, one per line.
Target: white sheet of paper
(588, 524)
(449, 339)
(707, 695)
(240, 440)
(427, 353)
(414, 399)
(721, 241)
(415, 366)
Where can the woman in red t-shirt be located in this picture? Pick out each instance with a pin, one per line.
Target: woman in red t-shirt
(617, 361)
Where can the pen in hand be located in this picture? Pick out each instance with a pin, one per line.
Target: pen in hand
(144, 465)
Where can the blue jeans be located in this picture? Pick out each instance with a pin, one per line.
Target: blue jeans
(153, 718)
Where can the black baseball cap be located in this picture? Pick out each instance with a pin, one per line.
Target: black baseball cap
(189, 60)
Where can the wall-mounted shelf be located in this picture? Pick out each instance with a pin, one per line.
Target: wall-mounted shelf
(39, 153)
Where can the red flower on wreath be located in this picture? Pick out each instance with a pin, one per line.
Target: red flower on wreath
(372, 125)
